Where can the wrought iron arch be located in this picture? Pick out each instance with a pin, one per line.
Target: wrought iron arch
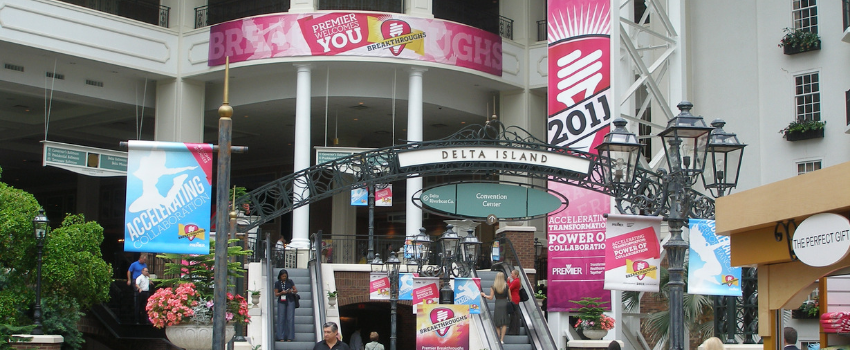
(382, 166)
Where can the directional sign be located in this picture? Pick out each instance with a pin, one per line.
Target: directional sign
(84, 160)
(482, 199)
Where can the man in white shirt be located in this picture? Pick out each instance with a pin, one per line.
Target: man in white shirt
(143, 286)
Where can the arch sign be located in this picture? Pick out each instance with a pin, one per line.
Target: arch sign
(479, 200)
(822, 239)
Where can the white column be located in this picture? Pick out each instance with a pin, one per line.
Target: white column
(419, 8)
(179, 110)
(413, 217)
(298, 6)
(301, 216)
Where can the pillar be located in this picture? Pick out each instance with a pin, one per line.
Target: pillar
(179, 110)
(301, 216)
(300, 6)
(419, 8)
(413, 214)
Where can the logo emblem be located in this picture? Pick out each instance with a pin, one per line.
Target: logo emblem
(439, 315)
(639, 265)
(393, 28)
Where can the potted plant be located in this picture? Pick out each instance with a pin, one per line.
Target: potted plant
(808, 310)
(332, 298)
(539, 296)
(803, 130)
(185, 306)
(255, 297)
(796, 41)
(592, 322)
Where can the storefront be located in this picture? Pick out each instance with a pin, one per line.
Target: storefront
(762, 221)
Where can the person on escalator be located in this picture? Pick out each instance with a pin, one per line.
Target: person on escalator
(500, 291)
(284, 291)
(514, 284)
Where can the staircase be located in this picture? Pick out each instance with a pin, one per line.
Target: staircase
(305, 333)
(512, 342)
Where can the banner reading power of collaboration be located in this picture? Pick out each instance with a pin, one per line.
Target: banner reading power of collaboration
(710, 270)
(168, 197)
(442, 327)
(633, 253)
(356, 34)
(579, 112)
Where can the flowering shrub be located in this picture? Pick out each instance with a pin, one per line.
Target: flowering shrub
(174, 306)
(604, 323)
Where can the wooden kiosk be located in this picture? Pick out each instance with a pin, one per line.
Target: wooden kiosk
(756, 220)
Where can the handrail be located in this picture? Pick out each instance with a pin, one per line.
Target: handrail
(538, 328)
(486, 325)
(268, 311)
(315, 266)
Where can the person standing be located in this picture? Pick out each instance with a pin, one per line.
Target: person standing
(374, 344)
(713, 343)
(284, 291)
(501, 318)
(143, 285)
(134, 272)
(514, 285)
(331, 341)
(789, 334)
(356, 341)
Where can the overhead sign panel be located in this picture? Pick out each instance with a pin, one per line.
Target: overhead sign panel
(483, 199)
(493, 154)
(822, 239)
(84, 160)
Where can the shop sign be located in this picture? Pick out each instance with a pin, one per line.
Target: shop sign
(822, 239)
(482, 199)
(84, 160)
(493, 154)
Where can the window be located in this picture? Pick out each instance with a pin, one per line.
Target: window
(807, 96)
(807, 167)
(845, 4)
(805, 14)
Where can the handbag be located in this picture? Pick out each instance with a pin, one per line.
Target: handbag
(297, 300)
(523, 296)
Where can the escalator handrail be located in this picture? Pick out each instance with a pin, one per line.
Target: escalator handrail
(491, 339)
(538, 331)
(315, 265)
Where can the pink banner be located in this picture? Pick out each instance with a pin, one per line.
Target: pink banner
(379, 286)
(443, 327)
(633, 254)
(356, 34)
(579, 33)
(425, 292)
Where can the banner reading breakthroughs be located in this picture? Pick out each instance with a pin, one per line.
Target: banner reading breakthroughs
(579, 35)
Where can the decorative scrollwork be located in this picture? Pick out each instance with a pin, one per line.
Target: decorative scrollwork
(786, 230)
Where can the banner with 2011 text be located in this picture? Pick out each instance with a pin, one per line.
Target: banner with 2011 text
(579, 112)
(168, 197)
(633, 253)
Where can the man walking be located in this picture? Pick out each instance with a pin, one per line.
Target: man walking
(330, 332)
(134, 272)
(143, 285)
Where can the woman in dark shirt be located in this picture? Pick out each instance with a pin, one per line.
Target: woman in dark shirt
(284, 292)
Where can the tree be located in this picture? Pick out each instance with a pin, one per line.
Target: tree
(74, 275)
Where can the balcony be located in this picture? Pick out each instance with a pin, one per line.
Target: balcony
(139, 10)
(542, 34)
(223, 11)
(506, 27)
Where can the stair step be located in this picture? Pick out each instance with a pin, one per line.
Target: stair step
(303, 319)
(304, 328)
(297, 345)
(507, 346)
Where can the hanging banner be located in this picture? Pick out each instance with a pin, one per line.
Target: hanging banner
(379, 286)
(384, 195)
(425, 292)
(442, 327)
(579, 112)
(468, 292)
(405, 285)
(710, 270)
(356, 34)
(168, 197)
(632, 253)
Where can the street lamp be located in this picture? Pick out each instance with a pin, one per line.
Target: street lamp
(392, 267)
(448, 242)
(471, 247)
(40, 225)
(538, 250)
(686, 144)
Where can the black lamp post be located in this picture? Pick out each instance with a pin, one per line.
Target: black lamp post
(471, 248)
(538, 250)
(448, 242)
(686, 143)
(392, 267)
(40, 225)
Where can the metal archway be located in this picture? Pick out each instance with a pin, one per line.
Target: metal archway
(383, 166)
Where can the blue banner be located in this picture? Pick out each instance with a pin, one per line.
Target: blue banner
(710, 270)
(468, 292)
(405, 285)
(168, 197)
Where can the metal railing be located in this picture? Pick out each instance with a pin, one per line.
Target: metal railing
(234, 9)
(538, 327)
(542, 33)
(140, 11)
(315, 267)
(506, 27)
(396, 6)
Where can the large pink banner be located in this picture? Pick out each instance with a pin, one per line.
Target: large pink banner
(579, 33)
(356, 34)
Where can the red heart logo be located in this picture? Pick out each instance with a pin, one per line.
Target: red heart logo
(189, 229)
(392, 28)
(441, 314)
(639, 265)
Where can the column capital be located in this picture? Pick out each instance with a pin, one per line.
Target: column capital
(417, 70)
(304, 66)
